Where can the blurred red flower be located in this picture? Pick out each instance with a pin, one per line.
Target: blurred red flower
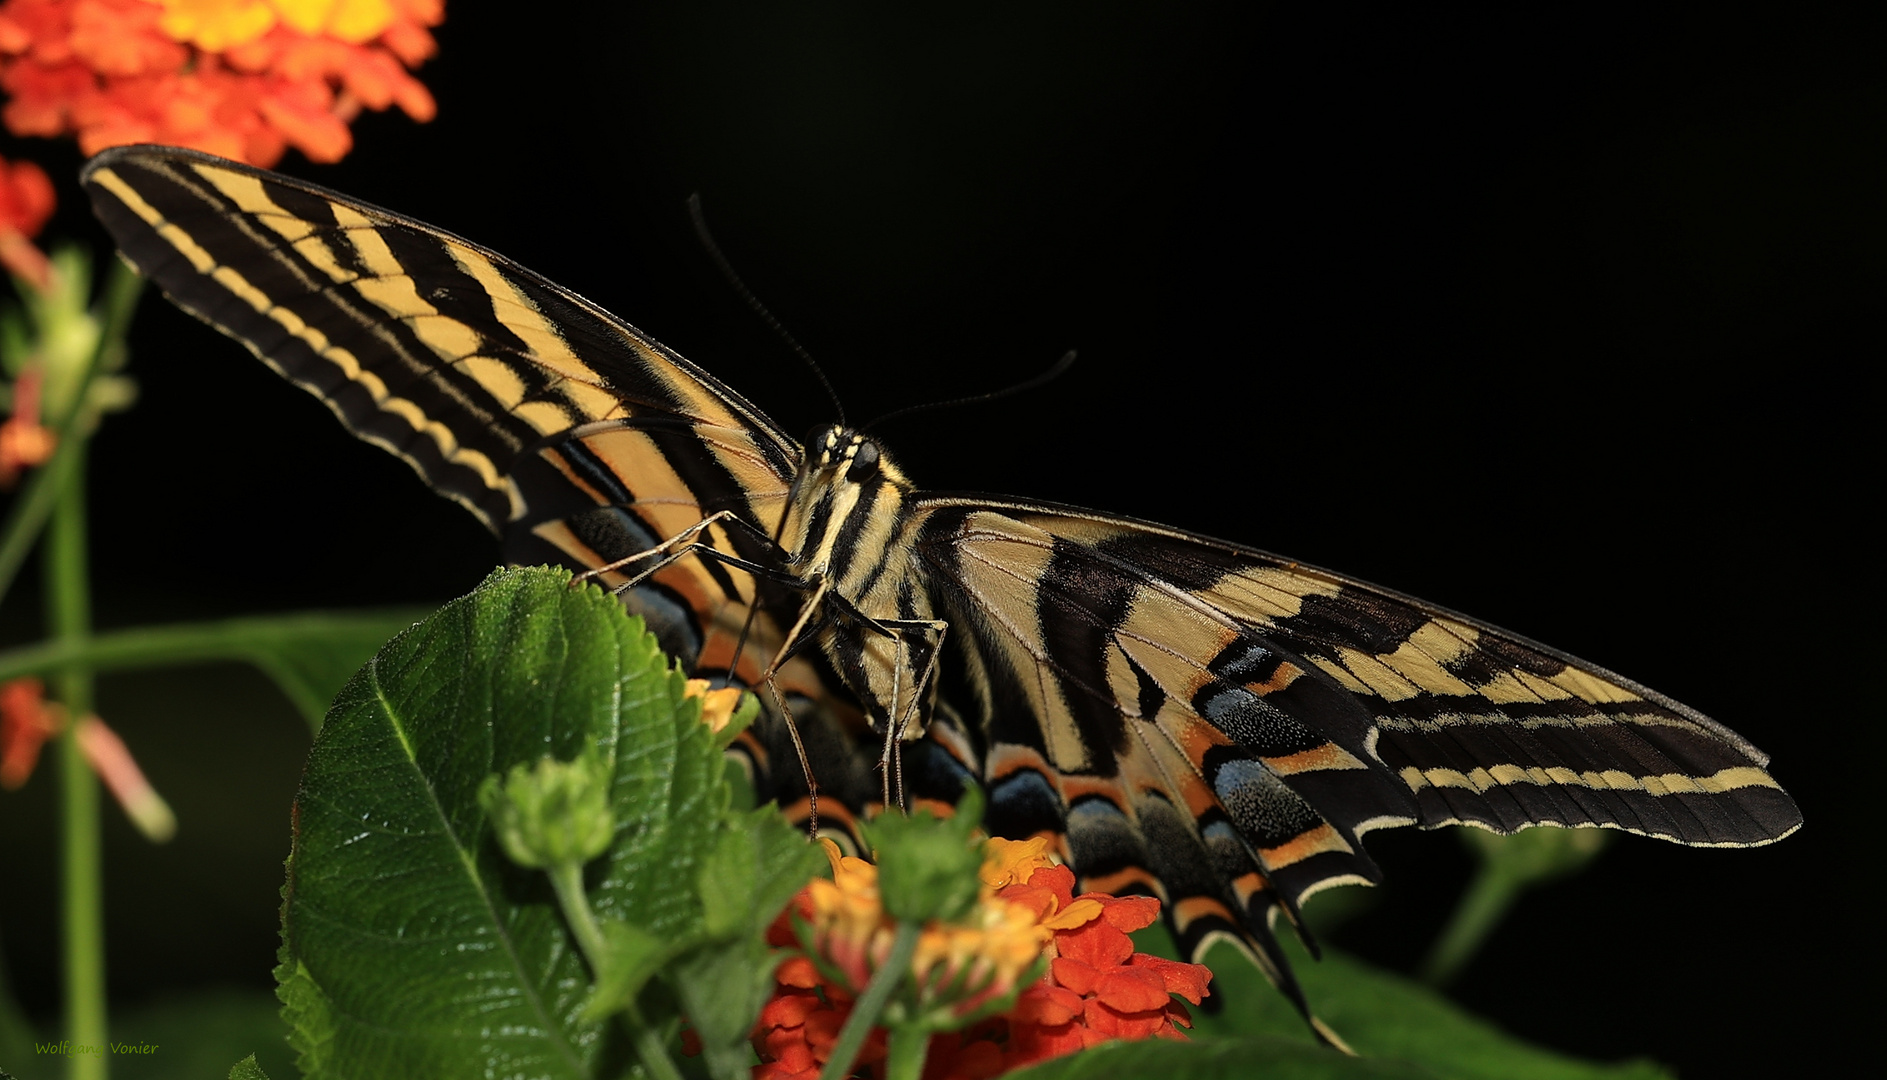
(245, 79)
(26, 201)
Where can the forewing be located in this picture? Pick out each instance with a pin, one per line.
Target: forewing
(572, 435)
(450, 356)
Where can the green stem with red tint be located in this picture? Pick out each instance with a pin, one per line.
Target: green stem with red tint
(69, 618)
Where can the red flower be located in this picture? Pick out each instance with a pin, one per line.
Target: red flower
(26, 201)
(242, 78)
(1096, 988)
(26, 722)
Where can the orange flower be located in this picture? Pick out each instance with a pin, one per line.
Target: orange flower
(717, 706)
(26, 722)
(26, 201)
(242, 78)
(24, 441)
(1096, 987)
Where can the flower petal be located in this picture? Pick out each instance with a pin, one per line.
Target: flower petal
(1190, 981)
(1046, 1005)
(1131, 990)
(1073, 974)
(1130, 913)
(1096, 944)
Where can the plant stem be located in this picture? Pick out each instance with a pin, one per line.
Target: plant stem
(30, 511)
(872, 1002)
(69, 617)
(567, 879)
(651, 1046)
(1478, 912)
(904, 1057)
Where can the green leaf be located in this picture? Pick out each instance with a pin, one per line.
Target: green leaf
(247, 1069)
(722, 987)
(756, 866)
(1381, 1015)
(926, 865)
(310, 655)
(631, 959)
(411, 944)
(1270, 1057)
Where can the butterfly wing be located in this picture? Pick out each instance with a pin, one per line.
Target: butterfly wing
(566, 431)
(1223, 725)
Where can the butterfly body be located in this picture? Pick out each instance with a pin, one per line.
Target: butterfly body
(1185, 716)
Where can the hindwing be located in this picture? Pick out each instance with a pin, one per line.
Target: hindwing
(1171, 703)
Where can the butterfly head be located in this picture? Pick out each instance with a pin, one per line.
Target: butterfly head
(845, 474)
(838, 455)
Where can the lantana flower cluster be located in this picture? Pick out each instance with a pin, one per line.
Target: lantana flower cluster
(1081, 982)
(245, 79)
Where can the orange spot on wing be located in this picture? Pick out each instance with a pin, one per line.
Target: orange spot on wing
(1327, 756)
(1285, 675)
(1307, 843)
(1121, 882)
(1187, 909)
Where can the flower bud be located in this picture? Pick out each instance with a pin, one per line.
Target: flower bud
(552, 813)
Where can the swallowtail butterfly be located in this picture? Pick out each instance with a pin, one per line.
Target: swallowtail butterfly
(1189, 717)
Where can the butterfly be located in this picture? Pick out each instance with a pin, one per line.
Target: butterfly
(1192, 718)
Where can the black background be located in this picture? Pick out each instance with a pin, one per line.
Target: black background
(1558, 317)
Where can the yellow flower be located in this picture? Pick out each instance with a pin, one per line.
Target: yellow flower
(352, 21)
(985, 956)
(717, 706)
(1010, 862)
(215, 25)
(957, 965)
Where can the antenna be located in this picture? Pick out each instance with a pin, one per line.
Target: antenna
(753, 302)
(1060, 366)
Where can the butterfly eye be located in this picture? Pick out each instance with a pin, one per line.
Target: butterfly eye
(864, 463)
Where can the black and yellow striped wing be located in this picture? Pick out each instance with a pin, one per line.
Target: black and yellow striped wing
(570, 434)
(1224, 724)
(1188, 717)
(562, 428)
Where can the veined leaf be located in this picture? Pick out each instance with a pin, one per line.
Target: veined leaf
(412, 945)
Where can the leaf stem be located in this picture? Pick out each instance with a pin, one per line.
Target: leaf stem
(567, 879)
(68, 616)
(872, 1002)
(651, 1046)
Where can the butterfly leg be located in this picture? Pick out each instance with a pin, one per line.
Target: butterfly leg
(891, 761)
(686, 538)
(684, 544)
(796, 637)
(929, 636)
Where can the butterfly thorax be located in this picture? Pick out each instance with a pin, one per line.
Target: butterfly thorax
(847, 529)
